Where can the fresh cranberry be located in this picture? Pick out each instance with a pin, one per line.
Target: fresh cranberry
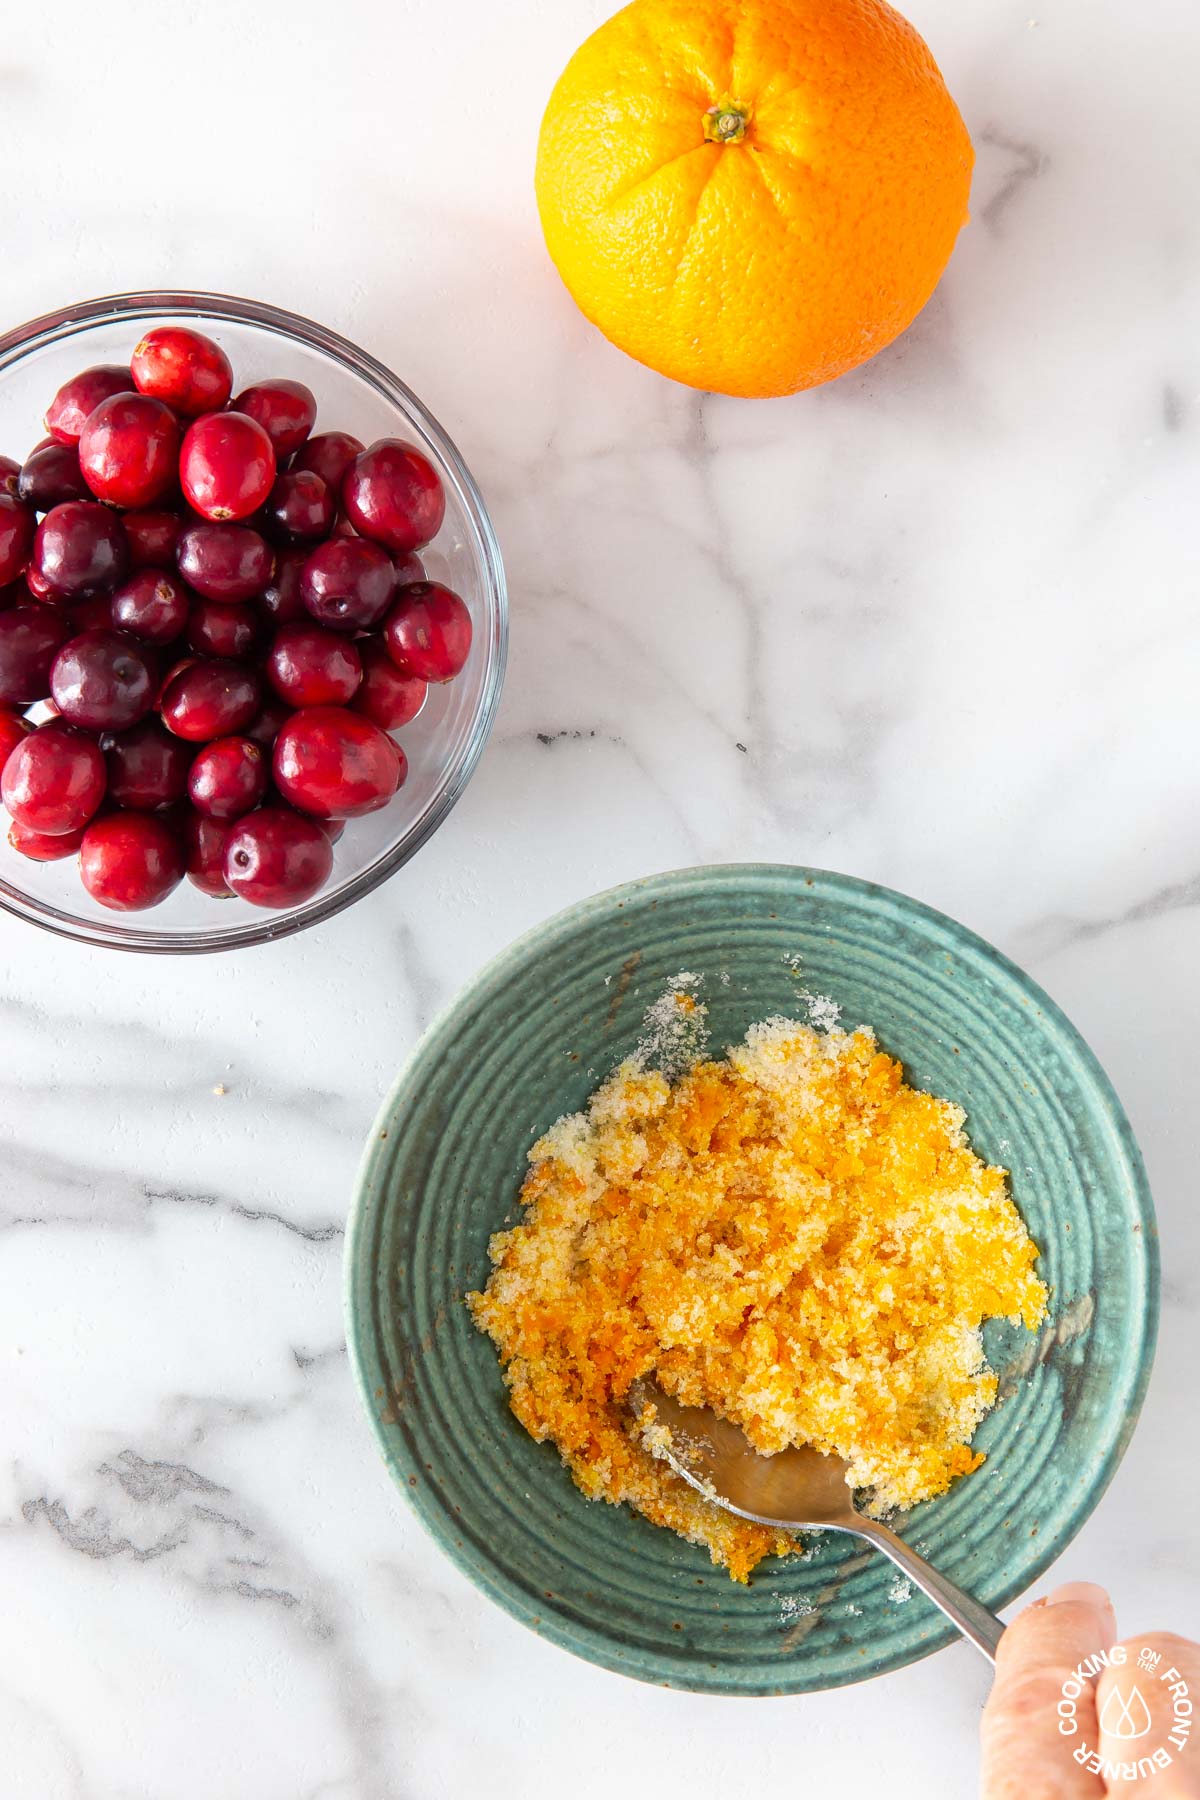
(281, 600)
(408, 567)
(309, 666)
(67, 413)
(227, 466)
(152, 537)
(209, 699)
(223, 628)
(30, 639)
(428, 632)
(17, 526)
(204, 853)
(10, 474)
(392, 494)
(299, 509)
(386, 697)
(348, 584)
(130, 860)
(13, 728)
(80, 549)
(228, 778)
(224, 562)
(151, 606)
(129, 450)
(147, 767)
(39, 587)
(285, 410)
(54, 780)
(102, 681)
(50, 476)
(328, 455)
(269, 721)
(45, 846)
(336, 764)
(183, 368)
(275, 857)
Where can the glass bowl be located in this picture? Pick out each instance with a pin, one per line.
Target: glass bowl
(443, 744)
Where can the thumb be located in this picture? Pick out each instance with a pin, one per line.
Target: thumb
(1024, 1750)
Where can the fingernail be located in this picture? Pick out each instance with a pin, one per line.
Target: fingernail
(1085, 1593)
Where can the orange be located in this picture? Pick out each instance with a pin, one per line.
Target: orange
(752, 196)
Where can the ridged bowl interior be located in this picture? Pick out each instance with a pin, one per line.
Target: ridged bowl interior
(528, 1040)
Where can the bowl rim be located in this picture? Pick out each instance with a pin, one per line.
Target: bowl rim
(81, 316)
(585, 1641)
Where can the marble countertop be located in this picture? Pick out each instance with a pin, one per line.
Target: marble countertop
(935, 625)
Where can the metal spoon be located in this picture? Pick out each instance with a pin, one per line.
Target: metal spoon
(799, 1489)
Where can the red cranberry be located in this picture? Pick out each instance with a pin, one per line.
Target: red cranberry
(45, 846)
(275, 857)
(204, 853)
(428, 632)
(10, 474)
(151, 606)
(12, 729)
(38, 586)
(309, 666)
(281, 600)
(183, 368)
(147, 767)
(227, 466)
(80, 549)
(223, 628)
(335, 763)
(299, 509)
(30, 639)
(348, 584)
(328, 455)
(130, 860)
(67, 413)
(209, 699)
(152, 537)
(129, 450)
(285, 410)
(224, 562)
(54, 780)
(102, 681)
(50, 476)
(392, 494)
(388, 698)
(408, 567)
(270, 721)
(17, 526)
(228, 778)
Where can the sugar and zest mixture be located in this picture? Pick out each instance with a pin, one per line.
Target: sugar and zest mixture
(792, 1236)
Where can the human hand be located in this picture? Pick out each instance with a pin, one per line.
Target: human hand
(1075, 1715)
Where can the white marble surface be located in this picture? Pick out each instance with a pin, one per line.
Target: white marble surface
(936, 625)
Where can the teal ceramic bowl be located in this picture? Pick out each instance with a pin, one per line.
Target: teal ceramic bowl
(528, 1040)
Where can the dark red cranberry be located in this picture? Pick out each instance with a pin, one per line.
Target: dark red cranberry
(50, 476)
(184, 368)
(13, 728)
(392, 494)
(17, 527)
(428, 632)
(152, 537)
(30, 639)
(336, 764)
(299, 509)
(348, 584)
(386, 697)
(129, 450)
(281, 600)
(44, 846)
(204, 853)
(269, 722)
(130, 860)
(151, 606)
(39, 587)
(227, 466)
(147, 767)
(285, 410)
(274, 857)
(224, 562)
(10, 474)
(210, 699)
(309, 666)
(328, 455)
(54, 780)
(68, 412)
(80, 549)
(408, 567)
(223, 628)
(228, 778)
(103, 681)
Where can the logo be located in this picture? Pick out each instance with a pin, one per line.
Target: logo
(1126, 1715)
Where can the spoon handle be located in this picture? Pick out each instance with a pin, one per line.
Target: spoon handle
(974, 1621)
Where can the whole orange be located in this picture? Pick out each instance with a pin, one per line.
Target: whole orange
(752, 196)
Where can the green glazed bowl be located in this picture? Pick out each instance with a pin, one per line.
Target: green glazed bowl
(528, 1040)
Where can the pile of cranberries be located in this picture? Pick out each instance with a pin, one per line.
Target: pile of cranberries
(218, 619)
